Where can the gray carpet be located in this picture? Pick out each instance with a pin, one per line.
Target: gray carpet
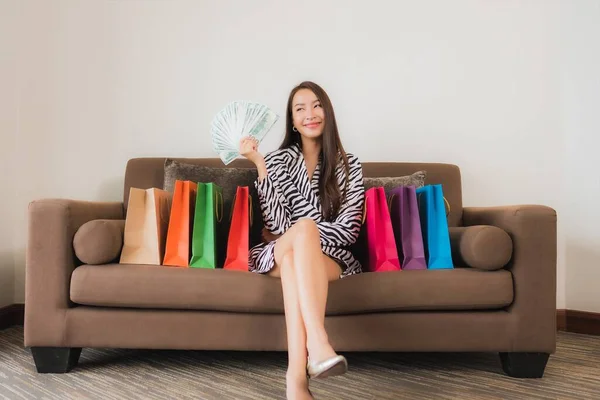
(572, 373)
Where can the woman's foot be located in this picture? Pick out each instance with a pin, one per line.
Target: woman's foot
(297, 387)
(321, 352)
(333, 366)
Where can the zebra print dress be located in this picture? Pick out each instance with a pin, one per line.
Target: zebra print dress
(287, 195)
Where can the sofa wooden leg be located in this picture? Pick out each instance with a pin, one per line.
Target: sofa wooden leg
(524, 365)
(55, 360)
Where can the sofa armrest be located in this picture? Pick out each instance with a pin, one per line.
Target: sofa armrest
(533, 266)
(50, 260)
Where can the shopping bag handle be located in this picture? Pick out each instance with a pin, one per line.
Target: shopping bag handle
(364, 216)
(448, 204)
(390, 199)
(445, 201)
(219, 195)
(251, 210)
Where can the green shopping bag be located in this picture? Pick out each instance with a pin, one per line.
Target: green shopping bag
(209, 211)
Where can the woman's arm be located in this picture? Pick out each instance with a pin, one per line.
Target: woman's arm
(275, 209)
(276, 212)
(344, 230)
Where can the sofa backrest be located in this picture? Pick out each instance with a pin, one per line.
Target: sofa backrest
(145, 173)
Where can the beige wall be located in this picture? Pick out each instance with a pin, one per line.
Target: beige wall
(581, 82)
(472, 83)
(8, 131)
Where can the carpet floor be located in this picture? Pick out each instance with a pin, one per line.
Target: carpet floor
(573, 372)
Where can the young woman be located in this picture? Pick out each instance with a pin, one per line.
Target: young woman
(311, 195)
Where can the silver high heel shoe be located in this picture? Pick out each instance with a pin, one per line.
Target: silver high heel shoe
(333, 366)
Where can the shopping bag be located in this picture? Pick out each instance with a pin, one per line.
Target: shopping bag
(209, 211)
(146, 226)
(238, 243)
(179, 236)
(406, 223)
(434, 224)
(381, 244)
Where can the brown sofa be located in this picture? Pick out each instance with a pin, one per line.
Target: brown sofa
(488, 303)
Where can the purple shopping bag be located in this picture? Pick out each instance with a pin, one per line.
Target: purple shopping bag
(404, 213)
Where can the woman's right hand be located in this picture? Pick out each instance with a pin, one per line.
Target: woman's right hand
(249, 149)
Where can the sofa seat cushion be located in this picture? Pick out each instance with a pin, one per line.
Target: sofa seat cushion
(146, 286)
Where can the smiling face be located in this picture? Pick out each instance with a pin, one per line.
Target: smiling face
(307, 114)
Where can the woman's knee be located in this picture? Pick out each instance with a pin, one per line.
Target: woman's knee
(296, 237)
(287, 260)
(284, 257)
(283, 261)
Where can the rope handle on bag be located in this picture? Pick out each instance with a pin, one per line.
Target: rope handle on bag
(251, 210)
(364, 216)
(218, 195)
(445, 201)
(448, 204)
(390, 199)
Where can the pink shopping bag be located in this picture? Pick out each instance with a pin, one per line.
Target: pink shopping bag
(381, 244)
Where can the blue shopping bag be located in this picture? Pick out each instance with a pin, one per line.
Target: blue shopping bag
(434, 226)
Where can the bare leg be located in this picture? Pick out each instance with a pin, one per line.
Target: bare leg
(296, 380)
(313, 271)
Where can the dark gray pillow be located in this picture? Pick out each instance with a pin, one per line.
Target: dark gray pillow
(228, 179)
(391, 182)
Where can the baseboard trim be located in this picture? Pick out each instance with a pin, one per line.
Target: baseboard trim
(578, 322)
(12, 315)
(561, 320)
(582, 322)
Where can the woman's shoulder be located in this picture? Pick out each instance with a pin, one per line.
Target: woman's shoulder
(353, 160)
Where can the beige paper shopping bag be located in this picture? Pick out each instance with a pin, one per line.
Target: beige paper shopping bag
(146, 226)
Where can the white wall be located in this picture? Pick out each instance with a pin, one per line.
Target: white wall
(581, 96)
(476, 83)
(8, 131)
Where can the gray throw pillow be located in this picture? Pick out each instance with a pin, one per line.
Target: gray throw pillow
(391, 182)
(227, 178)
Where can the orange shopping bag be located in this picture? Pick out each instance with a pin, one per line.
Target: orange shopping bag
(179, 235)
(239, 233)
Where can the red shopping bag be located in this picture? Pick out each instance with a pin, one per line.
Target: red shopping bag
(238, 243)
(381, 243)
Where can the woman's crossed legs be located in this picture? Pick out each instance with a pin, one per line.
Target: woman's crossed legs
(305, 274)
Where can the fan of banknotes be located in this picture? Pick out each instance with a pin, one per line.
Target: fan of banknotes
(237, 120)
